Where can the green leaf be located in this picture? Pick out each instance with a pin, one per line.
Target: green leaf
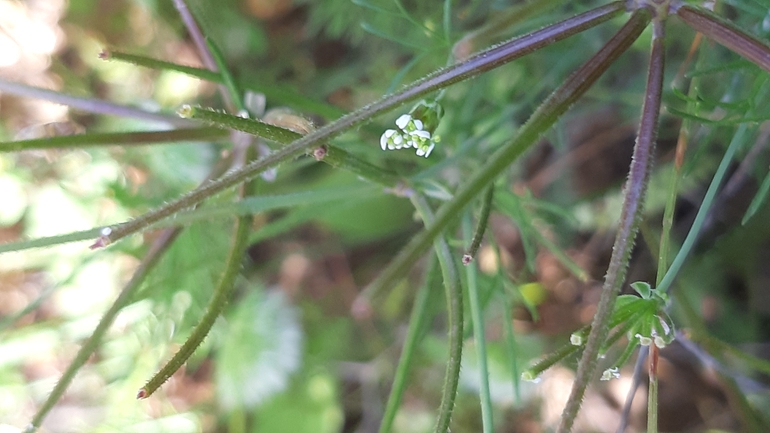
(642, 288)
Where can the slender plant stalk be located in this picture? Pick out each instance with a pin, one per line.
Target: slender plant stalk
(272, 92)
(454, 297)
(333, 155)
(416, 323)
(510, 343)
(196, 34)
(652, 392)
(633, 202)
(499, 23)
(727, 34)
(637, 381)
(472, 67)
(115, 139)
(91, 105)
(541, 120)
(161, 65)
(213, 309)
(477, 320)
(481, 226)
(149, 261)
(548, 361)
(231, 94)
(738, 140)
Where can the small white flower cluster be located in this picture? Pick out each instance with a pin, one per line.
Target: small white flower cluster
(410, 133)
(611, 373)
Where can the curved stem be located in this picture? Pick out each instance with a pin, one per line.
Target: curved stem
(213, 309)
(633, 202)
(454, 297)
(481, 226)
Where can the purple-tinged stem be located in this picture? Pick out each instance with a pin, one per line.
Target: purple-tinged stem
(727, 34)
(91, 105)
(633, 202)
(195, 33)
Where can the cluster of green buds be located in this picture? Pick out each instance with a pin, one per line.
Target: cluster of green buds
(415, 130)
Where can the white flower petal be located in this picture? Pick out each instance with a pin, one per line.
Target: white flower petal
(421, 134)
(430, 149)
(418, 124)
(404, 120)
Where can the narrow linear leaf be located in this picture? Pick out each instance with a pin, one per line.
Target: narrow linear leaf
(727, 34)
(205, 134)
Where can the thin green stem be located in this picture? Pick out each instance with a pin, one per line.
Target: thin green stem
(454, 297)
(633, 203)
(479, 338)
(510, 343)
(692, 236)
(116, 139)
(652, 392)
(213, 309)
(332, 155)
(231, 94)
(149, 261)
(416, 322)
(481, 226)
(534, 371)
(161, 65)
(245, 206)
(272, 92)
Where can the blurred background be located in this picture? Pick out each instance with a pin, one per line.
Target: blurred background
(288, 356)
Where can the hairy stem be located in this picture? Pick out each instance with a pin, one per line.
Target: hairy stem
(213, 309)
(481, 226)
(727, 34)
(454, 297)
(633, 202)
